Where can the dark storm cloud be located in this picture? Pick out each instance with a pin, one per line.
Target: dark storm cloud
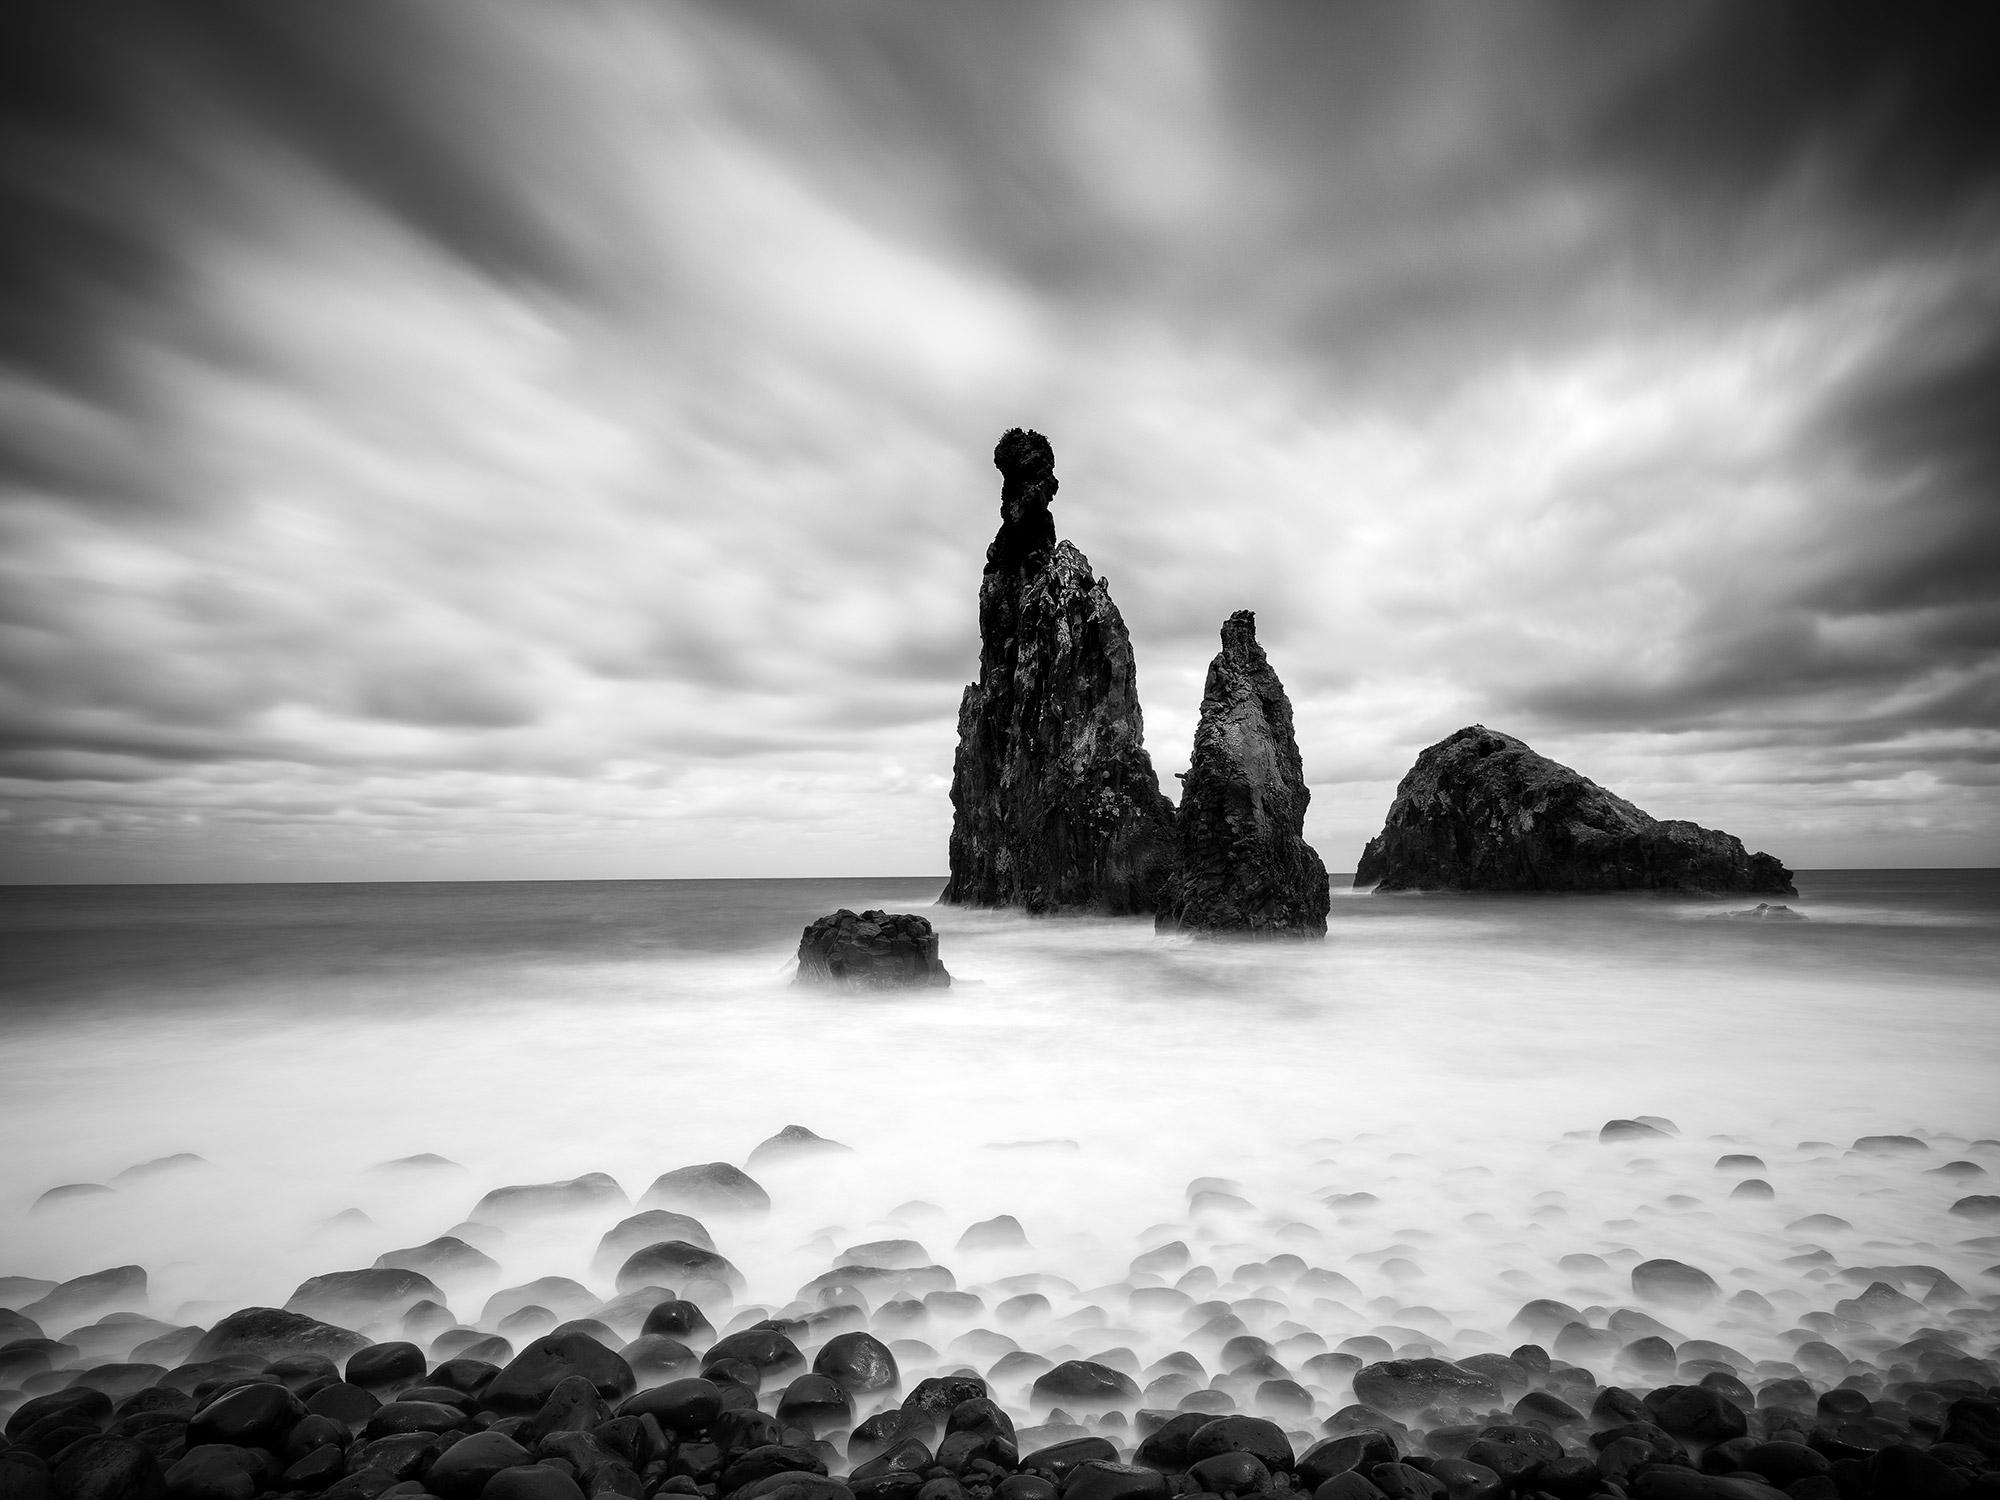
(584, 412)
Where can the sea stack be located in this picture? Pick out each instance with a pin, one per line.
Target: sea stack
(1245, 866)
(1480, 811)
(1055, 803)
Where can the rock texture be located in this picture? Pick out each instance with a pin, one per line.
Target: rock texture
(1056, 806)
(1245, 866)
(876, 950)
(1480, 811)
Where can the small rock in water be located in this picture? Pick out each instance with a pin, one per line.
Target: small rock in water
(159, 1166)
(69, 1192)
(1629, 1130)
(1674, 1283)
(794, 1143)
(875, 950)
(713, 1187)
(538, 1199)
(1763, 911)
(1002, 1232)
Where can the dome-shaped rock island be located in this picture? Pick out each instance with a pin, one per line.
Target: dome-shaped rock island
(1480, 811)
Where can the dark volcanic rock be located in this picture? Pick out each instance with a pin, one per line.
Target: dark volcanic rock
(713, 1187)
(1480, 811)
(530, 1200)
(795, 1142)
(1405, 1385)
(1056, 806)
(876, 950)
(269, 1333)
(1244, 863)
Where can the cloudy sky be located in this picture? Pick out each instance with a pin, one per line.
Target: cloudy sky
(514, 440)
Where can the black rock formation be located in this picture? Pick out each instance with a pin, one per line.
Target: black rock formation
(1245, 866)
(1480, 811)
(1056, 806)
(876, 950)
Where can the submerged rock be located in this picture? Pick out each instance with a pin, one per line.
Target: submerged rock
(1245, 866)
(1056, 806)
(876, 950)
(1763, 911)
(1480, 811)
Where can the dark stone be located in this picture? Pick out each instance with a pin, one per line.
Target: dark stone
(1547, 1408)
(1244, 865)
(402, 1455)
(658, 1356)
(1466, 1480)
(1355, 1486)
(251, 1416)
(118, 1287)
(876, 950)
(558, 1296)
(414, 1416)
(532, 1482)
(385, 1364)
(1231, 1474)
(681, 1319)
(677, 1261)
(1085, 1383)
(1407, 1385)
(219, 1471)
(793, 1484)
(532, 1375)
(1700, 1415)
(1354, 1450)
(1002, 1232)
(471, 1376)
(653, 1226)
(533, 1200)
(1166, 1447)
(1055, 803)
(1978, 1206)
(347, 1404)
(1055, 1462)
(686, 1408)
(1674, 1283)
(1266, 1441)
(795, 1142)
(312, 1472)
(1516, 1454)
(1101, 1479)
(714, 1187)
(462, 1470)
(121, 1380)
(817, 1403)
(361, 1295)
(103, 1468)
(762, 1462)
(446, 1255)
(1480, 811)
(771, 1352)
(860, 1362)
(69, 1192)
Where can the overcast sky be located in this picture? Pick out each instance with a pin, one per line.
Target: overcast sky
(495, 440)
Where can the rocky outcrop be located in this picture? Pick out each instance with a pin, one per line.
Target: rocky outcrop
(1245, 866)
(1056, 806)
(1480, 811)
(876, 950)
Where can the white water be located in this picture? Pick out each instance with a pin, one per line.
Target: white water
(1454, 1059)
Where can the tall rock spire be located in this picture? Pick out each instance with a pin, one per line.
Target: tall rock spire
(1245, 866)
(1055, 804)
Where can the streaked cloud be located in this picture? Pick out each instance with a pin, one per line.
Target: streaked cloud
(488, 440)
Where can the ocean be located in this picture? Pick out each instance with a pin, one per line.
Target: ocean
(1446, 1060)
